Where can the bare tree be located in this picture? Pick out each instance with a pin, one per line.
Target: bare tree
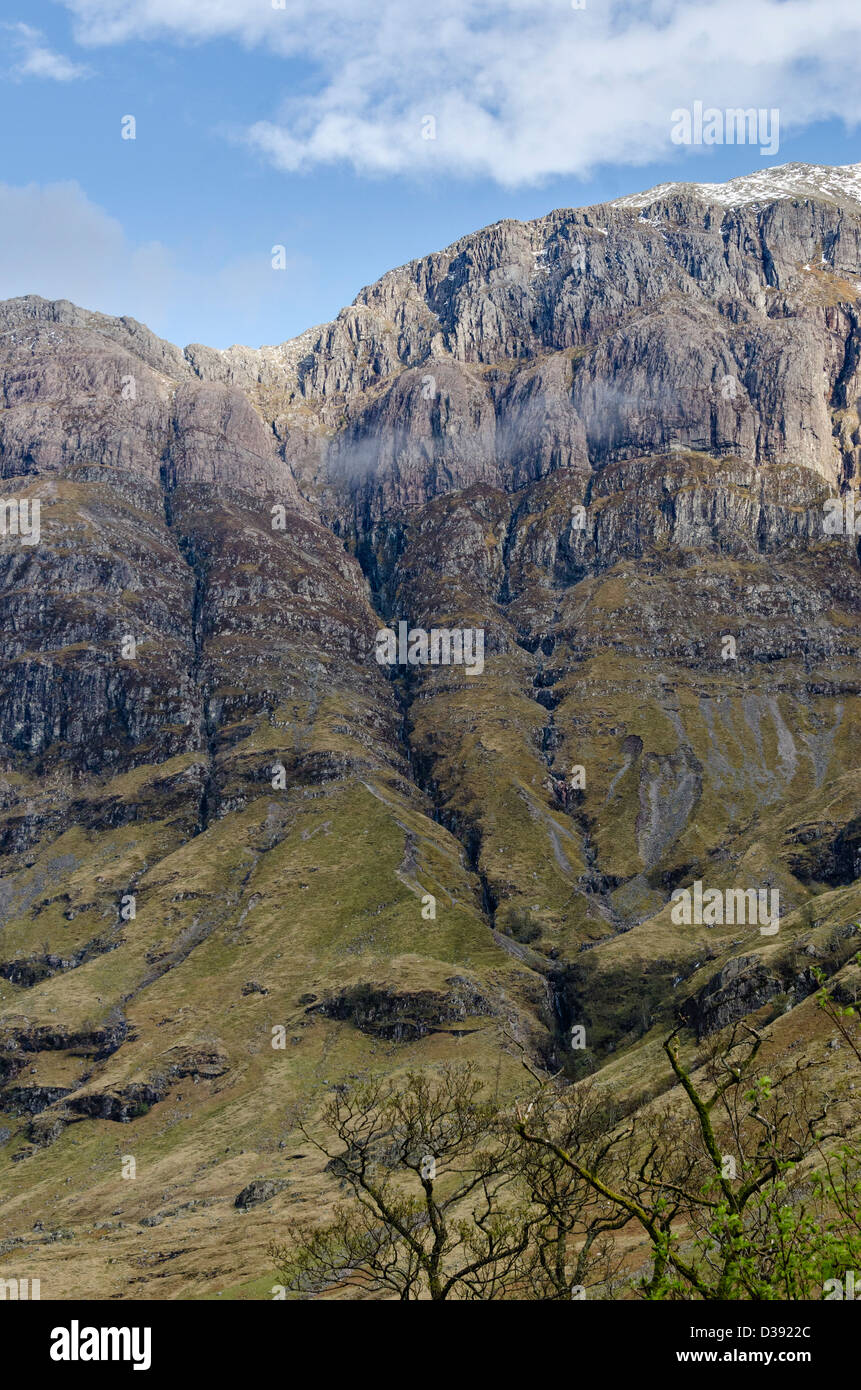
(572, 1243)
(720, 1199)
(433, 1211)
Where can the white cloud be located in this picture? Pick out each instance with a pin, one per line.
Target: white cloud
(519, 89)
(57, 243)
(37, 60)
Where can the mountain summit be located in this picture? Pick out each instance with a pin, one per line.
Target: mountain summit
(243, 858)
(832, 183)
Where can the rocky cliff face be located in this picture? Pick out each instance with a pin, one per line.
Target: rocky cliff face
(607, 438)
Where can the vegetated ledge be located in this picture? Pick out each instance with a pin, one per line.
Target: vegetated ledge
(126, 1103)
(120, 1104)
(747, 983)
(102, 1041)
(383, 1012)
(32, 970)
(123, 1105)
(31, 1100)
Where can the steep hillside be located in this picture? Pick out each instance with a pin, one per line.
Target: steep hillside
(609, 439)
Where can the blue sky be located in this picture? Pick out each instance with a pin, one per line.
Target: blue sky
(304, 125)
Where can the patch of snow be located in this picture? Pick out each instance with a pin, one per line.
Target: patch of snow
(786, 181)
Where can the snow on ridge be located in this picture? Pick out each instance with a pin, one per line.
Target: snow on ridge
(785, 181)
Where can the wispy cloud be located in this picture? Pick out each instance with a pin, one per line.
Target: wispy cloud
(37, 59)
(517, 90)
(56, 242)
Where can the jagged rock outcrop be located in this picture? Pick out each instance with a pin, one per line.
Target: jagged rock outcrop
(261, 1190)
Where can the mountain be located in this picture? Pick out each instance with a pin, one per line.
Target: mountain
(615, 440)
(841, 184)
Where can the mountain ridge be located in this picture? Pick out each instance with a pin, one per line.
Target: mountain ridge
(612, 463)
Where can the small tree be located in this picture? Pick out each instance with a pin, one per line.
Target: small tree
(432, 1211)
(720, 1200)
(572, 1240)
(746, 1184)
